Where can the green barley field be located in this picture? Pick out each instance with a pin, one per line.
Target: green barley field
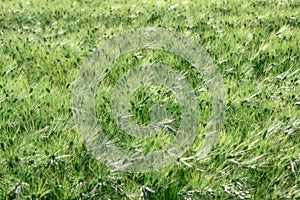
(255, 46)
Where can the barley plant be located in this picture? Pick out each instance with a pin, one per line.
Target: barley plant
(255, 46)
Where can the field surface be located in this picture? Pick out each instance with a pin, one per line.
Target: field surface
(255, 46)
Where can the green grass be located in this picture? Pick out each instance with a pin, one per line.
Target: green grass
(256, 46)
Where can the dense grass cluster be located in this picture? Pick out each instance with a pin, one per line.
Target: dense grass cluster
(255, 45)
